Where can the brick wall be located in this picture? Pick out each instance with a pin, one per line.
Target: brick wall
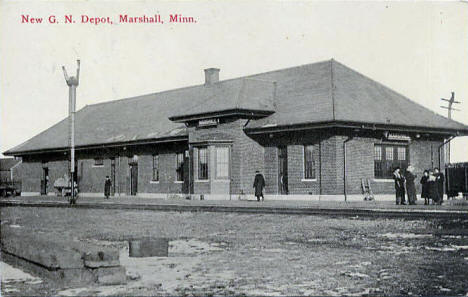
(296, 182)
(247, 155)
(330, 161)
(30, 174)
(295, 148)
(90, 177)
(251, 159)
(167, 174)
(271, 169)
(57, 169)
(359, 163)
(329, 171)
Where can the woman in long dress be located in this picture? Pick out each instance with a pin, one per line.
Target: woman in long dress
(425, 187)
(433, 192)
(410, 187)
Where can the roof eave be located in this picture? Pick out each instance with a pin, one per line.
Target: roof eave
(357, 125)
(254, 113)
(94, 146)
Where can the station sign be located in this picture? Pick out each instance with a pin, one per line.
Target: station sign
(207, 123)
(398, 137)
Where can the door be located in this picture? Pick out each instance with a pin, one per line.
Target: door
(221, 169)
(133, 179)
(283, 170)
(44, 181)
(112, 177)
(186, 173)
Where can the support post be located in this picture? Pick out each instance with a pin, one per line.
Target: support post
(72, 83)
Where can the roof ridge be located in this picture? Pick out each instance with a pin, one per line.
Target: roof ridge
(143, 95)
(397, 93)
(287, 68)
(201, 85)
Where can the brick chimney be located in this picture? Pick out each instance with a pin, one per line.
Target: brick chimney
(211, 76)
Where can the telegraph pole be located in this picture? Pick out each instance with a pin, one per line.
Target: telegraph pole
(449, 108)
(72, 83)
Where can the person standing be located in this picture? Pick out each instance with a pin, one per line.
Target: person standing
(259, 184)
(410, 187)
(425, 187)
(399, 186)
(440, 185)
(432, 187)
(107, 187)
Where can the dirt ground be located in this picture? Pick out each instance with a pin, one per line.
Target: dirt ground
(257, 254)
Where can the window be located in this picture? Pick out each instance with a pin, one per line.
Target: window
(309, 162)
(401, 154)
(387, 157)
(222, 162)
(180, 166)
(378, 152)
(203, 163)
(389, 153)
(156, 167)
(98, 162)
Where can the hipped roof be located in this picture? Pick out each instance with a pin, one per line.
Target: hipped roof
(323, 92)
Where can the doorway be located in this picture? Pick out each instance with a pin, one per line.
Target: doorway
(112, 177)
(133, 179)
(44, 180)
(283, 170)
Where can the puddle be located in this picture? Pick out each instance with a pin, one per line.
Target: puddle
(451, 248)
(11, 276)
(71, 292)
(9, 273)
(355, 274)
(406, 235)
(192, 246)
(274, 250)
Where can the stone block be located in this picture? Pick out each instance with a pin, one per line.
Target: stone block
(111, 276)
(48, 253)
(153, 247)
(98, 257)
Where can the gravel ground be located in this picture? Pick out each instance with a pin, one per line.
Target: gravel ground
(249, 254)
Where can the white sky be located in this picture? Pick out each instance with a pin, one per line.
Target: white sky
(418, 49)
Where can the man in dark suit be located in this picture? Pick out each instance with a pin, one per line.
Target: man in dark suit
(107, 187)
(440, 185)
(399, 186)
(259, 184)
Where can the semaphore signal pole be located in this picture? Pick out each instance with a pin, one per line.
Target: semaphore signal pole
(72, 83)
(450, 101)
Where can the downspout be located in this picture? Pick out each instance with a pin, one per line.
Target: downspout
(440, 146)
(344, 167)
(190, 169)
(320, 167)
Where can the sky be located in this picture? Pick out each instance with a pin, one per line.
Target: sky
(419, 49)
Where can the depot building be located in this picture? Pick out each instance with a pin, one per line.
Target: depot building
(314, 131)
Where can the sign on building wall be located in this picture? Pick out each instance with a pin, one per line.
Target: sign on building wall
(397, 136)
(207, 123)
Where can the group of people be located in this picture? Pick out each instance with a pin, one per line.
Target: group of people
(432, 183)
